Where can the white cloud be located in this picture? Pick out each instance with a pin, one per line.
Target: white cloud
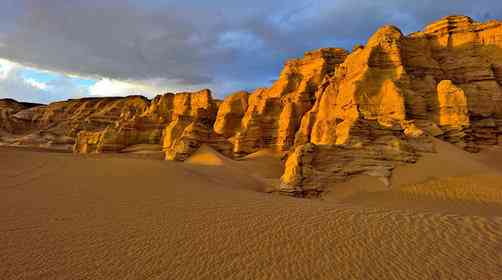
(14, 85)
(110, 87)
(36, 84)
(23, 83)
(6, 67)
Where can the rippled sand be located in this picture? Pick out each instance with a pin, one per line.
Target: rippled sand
(115, 217)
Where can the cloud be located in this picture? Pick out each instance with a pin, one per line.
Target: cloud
(108, 87)
(14, 84)
(6, 68)
(29, 84)
(36, 84)
(226, 45)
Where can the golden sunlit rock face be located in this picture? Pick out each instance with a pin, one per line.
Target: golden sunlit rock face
(452, 105)
(332, 113)
(194, 115)
(230, 113)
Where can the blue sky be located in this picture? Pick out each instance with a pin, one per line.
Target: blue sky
(31, 84)
(57, 49)
(47, 79)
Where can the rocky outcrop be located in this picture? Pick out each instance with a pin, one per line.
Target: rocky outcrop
(333, 114)
(87, 142)
(8, 109)
(299, 173)
(230, 114)
(140, 123)
(468, 54)
(452, 106)
(273, 115)
(59, 123)
(444, 81)
(179, 122)
(193, 118)
(310, 169)
(359, 122)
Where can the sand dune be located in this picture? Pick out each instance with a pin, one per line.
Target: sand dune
(120, 217)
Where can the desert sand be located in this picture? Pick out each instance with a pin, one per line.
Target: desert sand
(64, 216)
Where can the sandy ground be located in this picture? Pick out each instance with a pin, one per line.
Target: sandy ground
(120, 217)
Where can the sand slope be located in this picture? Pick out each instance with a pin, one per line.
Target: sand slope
(115, 217)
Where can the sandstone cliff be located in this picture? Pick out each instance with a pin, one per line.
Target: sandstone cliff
(58, 124)
(333, 114)
(8, 123)
(388, 95)
(273, 115)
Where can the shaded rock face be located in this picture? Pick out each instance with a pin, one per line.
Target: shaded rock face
(467, 55)
(8, 108)
(333, 114)
(9, 124)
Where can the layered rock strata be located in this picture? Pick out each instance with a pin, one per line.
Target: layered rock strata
(444, 82)
(273, 115)
(8, 108)
(333, 114)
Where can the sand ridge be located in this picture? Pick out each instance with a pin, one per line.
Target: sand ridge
(119, 217)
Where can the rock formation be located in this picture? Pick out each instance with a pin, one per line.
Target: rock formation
(193, 118)
(8, 108)
(59, 123)
(230, 114)
(333, 114)
(385, 96)
(273, 115)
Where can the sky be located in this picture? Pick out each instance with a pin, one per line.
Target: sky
(59, 49)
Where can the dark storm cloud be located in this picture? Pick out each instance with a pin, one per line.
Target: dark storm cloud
(226, 44)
